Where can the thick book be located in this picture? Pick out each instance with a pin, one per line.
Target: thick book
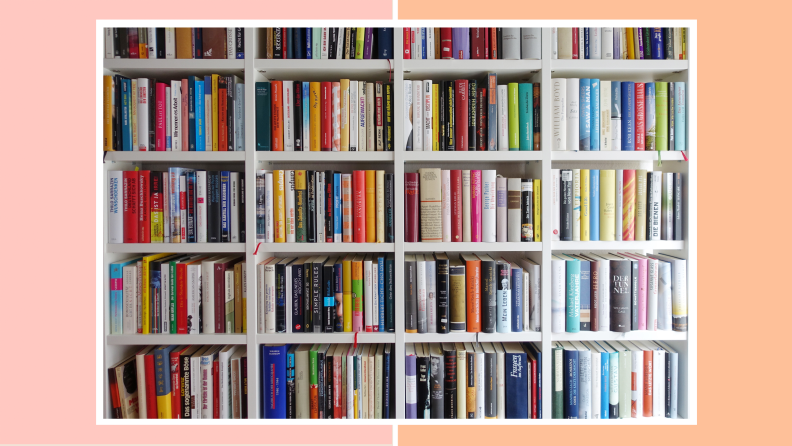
(473, 292)
(412, 209)
(461, 114)
(489, 292)
(431, 205)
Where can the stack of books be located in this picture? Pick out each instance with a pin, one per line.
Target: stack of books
(620, 43)
(472, 43)
(174, 43)
(327, 43)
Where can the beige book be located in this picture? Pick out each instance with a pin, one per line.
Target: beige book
(432, 204)
(461, 357)
(363, 399)
(565, 43)
(605, 116)
(378, 382)
(371, 382)
(302, 381)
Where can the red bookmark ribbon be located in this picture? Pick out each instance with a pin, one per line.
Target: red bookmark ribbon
(257, 247)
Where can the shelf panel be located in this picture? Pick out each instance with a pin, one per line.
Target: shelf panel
(440, 337)
(175, 68)
(641, 335)
(179, 156)
(445, 69)
(326, 247)
(616, 156)
(314, 157)
(526, 336)
(456, 156)
(618, 246)
(328, 338)
(175, 247)
(324, 69)
(617, 69)
(472, 247)
(151, 339)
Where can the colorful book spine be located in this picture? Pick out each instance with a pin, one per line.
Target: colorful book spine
(585, 115)
(514, 116)
(526, 104)
(661, 115)
(595, 114)
(628, 116)
(616, 116)
(628, 205)
(640, 116)
(680, 140)
(475, 206)
(594, 198)
(572, 295)
(649, 115)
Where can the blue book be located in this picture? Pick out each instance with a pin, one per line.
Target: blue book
(198, 41)
(299, 46)
(390, 274)
(225, 206)
(381, 290)
(385, 43)
(585, 114)
(517, 299)
(604, 383)
(386, 368)
(306, 117)
(571, 382)
(679, 116)
(595, 117)
(338, 218)
(338, 285)
(163, 379)
(411, 402)
(594, 190)
(308, 44)
(200, 114)
(117, 295)
(586, 43)
(525, 101)
(572, 295)
(273, 380)
(517, 379)
(628, 116)
(585, 295)
(191, 111)
(126, 117)
(658, 45)
(423, 43)
(289, 38)
(616, 115)
(291, 383)
(191, 207)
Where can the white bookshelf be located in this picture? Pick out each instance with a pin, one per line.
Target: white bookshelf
(524, 164)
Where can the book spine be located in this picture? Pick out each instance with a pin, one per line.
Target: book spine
(461, 92)
(475, 206)
(526, 212)
(489, 304)
(514, 224)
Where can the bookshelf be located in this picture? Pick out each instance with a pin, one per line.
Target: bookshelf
(532, 164)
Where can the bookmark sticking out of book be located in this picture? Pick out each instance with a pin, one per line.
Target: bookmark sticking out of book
(659, 158)
(684, 156)
(354, 344)
(257, 247)
(390, 70)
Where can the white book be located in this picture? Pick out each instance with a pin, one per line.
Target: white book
(269, 296)
(208, 140)
(557, 294)
(658, 379)
(595, 42)
(368, 294)
(576, 205)
(183, 210)
(532, 295)
(554, 43)
(371, 124)
(230, 45)
(225, 380)
(489, 207)
(340, 46)
(289, 290)
(607, 43)
(500, 380)
(503, 118)
(235, 206)
(654, 181)
(559, 114)
(408, 127)
(596, 379)
(268, 204)
(430, 43)
(350, 381)
(479, 380)
(417, 118)
(320, 208)
(375, 308)
(584, 376)
(652, 293)
(239, 117)
(420, 282)
(555, 178)
(678, 282)
(431, 294)
(446, 194)
(573, 114)
(168, 138)
(109, 43)
(130, 273)
(353, 116)
(200, 208)
(466, 207)
(667, 210)
(427, 113)
(170, 43)
(115, 214)
(143, 91)
(195, 382)
(175, 115)
(637, 389)
(288, 116)
(531, 43)
(152, 43)
(677, 43)
(623, 44)
(362, 358)
(290, 209)
(619, 203)
(140, 368)
(674, 378)
(208, 294)
(582, 43)
(605, 116)
(371, 381)
(194, 278)
(325, 49)
(361, 116)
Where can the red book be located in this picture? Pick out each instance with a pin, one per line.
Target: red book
(134, 48)
(151, 386)
(216, 388)
(406, 41)
(486, 43)
(277, 115)
(359, 205)
(640, 117)
(456, 205)
(461, 113)
(181, 298)
(222, 110)
(575, 40)
(326, 107)
(493, 43)
(115, 398)
(534, 381)
(411, 211)
(130, 197)
(175, 368)
(144, 206)
(481, 117)
(160, 117)
(284, 40)
(478, 44)
(184, 114)
(445, 43)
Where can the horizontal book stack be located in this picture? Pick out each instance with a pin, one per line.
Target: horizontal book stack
(470, 206)
(468, 380)
(199, 113)
(347, 115)
(174, 43)
(615, 379)
(621, 205)
(471, 293)
(327, 381)
(181, 382)
(620, 43)
(178, 294)
(618, 292)
(470, 114)
(326, 43)
(472, 43)
(307, 206)
(178, 206)
(326, 294)
(594, 114)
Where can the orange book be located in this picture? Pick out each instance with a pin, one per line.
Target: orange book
(184, 43)
(316, 116)
(346, 209)
(371, 207)
(473, 291)
(277, 115)
(648, 377)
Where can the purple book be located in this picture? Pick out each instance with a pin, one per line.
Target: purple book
(367, 44)
(460, 43)
(640, 54)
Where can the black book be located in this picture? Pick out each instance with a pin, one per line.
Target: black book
(241, 207)
(389, 129)
(633, 292)
(332, 42)
(499, 38)
(328, 296)
(470, 363)
(472, 97)
(352, 42)
(161, 43)
(321, 366)
(298, 105)
(116, 43)
(123, 41)
(240, 42)
(526, 211)
(390, 293)
(620, 294)
(244, 390)
(185, 379)
(389, 208)
(225, 204)
(481, 115)
(422, 367)
(503, 290)
(291, 386)
(297, 306)
(410, 296)
(338, 290)
(198, 40)
(450, 381)
(230, 92)
(213, 207)
(448, 87)
(489, 283)
(567, 198)
(536, 114)
(117, 113)
(668, 38)
(289, 37)
(436, 382)
(307, 296)
(280, 295)
(191, 206)
(490, 381)
(152, 106)
(442, 287)
(328, 207)
(310, 177)
(442, 115)
(667, 383)
(277, 45)
(677, 206)
(317, 295)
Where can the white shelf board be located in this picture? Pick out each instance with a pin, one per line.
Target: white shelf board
(151, 339)
(472, 247)
(525, 336)
(617, 69)
(175, 247)
(175, 156)
(641, 335)
(440, 337)
(314, 156)
(618, 246)
(324, 69)
(456, 156)
(467, 68)
(327, 338)
(326, 247)
(175, 68)
(598, 155)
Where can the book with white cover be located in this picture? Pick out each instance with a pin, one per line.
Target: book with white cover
(576, 205)
(130, 298)
(427, 113)
(207, 382)
(420, 269)
(288, 116)
(584, 379)
(532, 294)
(353, 115)
(559, 114)
(225, 380)
(417, 118)
(200, 208)
(573, 114)
(170, 43)
(503, 118)
(431, 294)
(446, 209)
(603, 310)
(607, 43)
(596, 379)
(554, 43)
(637, 389)
(500, 381)
(195, 382)
(109, 43)
(489, 206)
(679, 314)
(152, 43)
(619, 203)
(143, 113)
(479, 380)
(194, 285)
(564, 49)
(605, 116)
(408, 115)
(531, 43)
(672, 409)
(115, 214)
(361, 116)
(595, 43)
(175, 115)
(557, 294)
(368, 293)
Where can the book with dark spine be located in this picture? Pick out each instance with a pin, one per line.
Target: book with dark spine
(567, 198)
(291, 384)
(492, 111)
(526, 211)
(456, 294)
(297, 303)
(327, 196)
(450, 128)
(317, 293)
(328, 296)
(481, 119)
(442, 287)
(311, 211)
(677, 206)
(449, 381)
(390, 293)
(298, 113)
(471, 114)
(389, 129)
(489, 304)
(620, 283)
(536, 115)
(436, 381)
(410, 295)
(307, 297)
(490, 381)
(213, 207)
(389, 208)
(338, 294)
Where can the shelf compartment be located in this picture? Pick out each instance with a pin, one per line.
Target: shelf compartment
(175, 156)
(328, 338)
(606, 155)
(525, 336)
(161, 338)
(641, 335)
(330, 157)
(456, 156)
(618, 246)
(175, 247)
(472, 247)
(326, 247)
(440, 337)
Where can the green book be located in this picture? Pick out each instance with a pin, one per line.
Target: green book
(172, 294)
(360, 39)
(661, 115)
(514, 117)
(313, 374)
(558, 381)
(526, 116)
(316, 49)
(263, 107)
(647, 42)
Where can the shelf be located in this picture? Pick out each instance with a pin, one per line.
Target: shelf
(449, 69)
(175, 68)
(616, 156)
(151, 339)
(327, 338)
(456, 156)
(440, 337)
(618, 246)
(169, 156)
(526, 336)
(314, 157)
(324, 69)
(618, 69)
(325, 247)
(472, 247)
(175, 247)
(642, 335)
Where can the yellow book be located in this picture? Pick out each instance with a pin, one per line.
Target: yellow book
(346, 265)
(279, 206)
(380, 206)
(107, 103)
(684, 43)
(145, 309)
(607, 205)
(359, 42)
(215, 120)
(371, 210)
(585, 206)
(537, 209)
(316, 118)
(344, 115)
(630, 41)
(133, 107)
(435, 117)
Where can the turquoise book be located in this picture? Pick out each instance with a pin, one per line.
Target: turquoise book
(572, 295)
(679, 116)
(585, 114)
(117, 295)
(316, 35)
(604, 383)
(595, 117)
(525, 92)
(263, 104)
(594, 192)
(200, 125)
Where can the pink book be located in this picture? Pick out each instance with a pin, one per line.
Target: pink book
(184, 112)
(445, 177)
(160, 117)
(640, 117)
(475, 205)
(336, 116)
(628, 205)
(643, 286)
